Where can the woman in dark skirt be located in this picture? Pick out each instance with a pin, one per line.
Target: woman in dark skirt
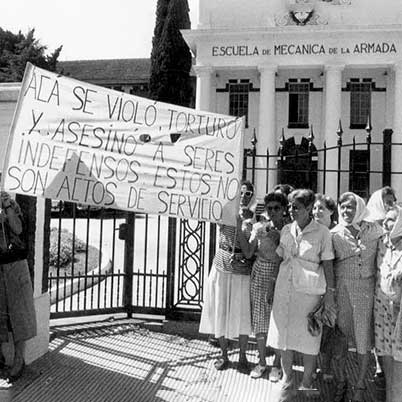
(17, 312)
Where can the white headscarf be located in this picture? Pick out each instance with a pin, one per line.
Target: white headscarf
(360, 215)
(376, 207)
(397, 229)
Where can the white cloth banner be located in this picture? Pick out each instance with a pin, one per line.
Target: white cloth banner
(82, 143)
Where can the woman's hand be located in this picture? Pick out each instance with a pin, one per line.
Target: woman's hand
(329, 313)
(5, 200)
(329, 300)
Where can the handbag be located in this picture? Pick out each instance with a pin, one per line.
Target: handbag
(308, 277)
(388, 284)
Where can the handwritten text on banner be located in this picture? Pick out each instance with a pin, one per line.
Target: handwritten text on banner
(82, 143)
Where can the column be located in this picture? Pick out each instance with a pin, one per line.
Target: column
(333, 109)
(396, 160)
(266, 135)
(203, 92)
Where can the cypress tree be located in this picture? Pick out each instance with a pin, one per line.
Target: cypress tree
(171, 58)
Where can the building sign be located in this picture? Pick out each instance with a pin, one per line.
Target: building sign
(299, 49)
(82, 143)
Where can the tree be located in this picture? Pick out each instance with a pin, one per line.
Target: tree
(171, 58)
(18, 49)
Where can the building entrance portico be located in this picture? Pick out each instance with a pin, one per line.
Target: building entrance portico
(297, 164)
(332, 69)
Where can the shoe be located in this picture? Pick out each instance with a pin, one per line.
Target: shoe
(309, 392)
(327, 377)
(340, 391)
(258, 371)
(221, 364)
(213, 341)
(358, 394)
(243, 367)
(275, 374)
(286, 385)
(15, 376)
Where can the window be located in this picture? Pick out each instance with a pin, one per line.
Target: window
(358, 168)
(238, 98)
(360, 103)
(298, 104)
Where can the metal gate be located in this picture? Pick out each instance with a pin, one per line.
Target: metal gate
(126, 262)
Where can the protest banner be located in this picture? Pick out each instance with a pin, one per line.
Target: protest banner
(82, 143)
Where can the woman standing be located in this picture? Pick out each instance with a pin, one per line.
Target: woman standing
(226, 311)
(325, 212)
(355, 245)
(387, 304)
(17, 313)
(263, 243)
(305, 274)
(380, 202)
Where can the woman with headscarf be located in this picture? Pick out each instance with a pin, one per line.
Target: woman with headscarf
(305, 276)
(226, 311)
(387, 303)
(380, 202)
(355, 245)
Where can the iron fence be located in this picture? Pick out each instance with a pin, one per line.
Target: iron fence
(358, 165)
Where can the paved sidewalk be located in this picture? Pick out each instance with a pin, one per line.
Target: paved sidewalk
(124, 361)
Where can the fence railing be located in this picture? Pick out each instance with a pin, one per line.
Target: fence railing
(361, 165)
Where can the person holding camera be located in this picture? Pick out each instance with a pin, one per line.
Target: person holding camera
(17, 312)
(263, 243)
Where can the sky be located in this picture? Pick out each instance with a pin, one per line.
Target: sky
(88, 29)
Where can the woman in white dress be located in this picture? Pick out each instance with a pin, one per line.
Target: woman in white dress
(305, 275)
(226, 311)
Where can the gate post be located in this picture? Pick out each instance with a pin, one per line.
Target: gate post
(128, 265)
(171, 262)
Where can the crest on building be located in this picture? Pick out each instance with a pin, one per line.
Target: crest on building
(300, 12)
(303, 12)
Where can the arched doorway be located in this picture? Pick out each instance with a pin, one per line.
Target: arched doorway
(298, 164)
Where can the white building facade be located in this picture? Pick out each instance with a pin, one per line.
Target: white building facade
(292, 65)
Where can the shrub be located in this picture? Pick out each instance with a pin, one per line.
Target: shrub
(66, 246)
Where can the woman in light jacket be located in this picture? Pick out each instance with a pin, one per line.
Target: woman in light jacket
(305, 275)
(355, 245)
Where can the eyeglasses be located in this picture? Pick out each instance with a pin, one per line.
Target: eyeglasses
(247, 193)
(275, 208)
